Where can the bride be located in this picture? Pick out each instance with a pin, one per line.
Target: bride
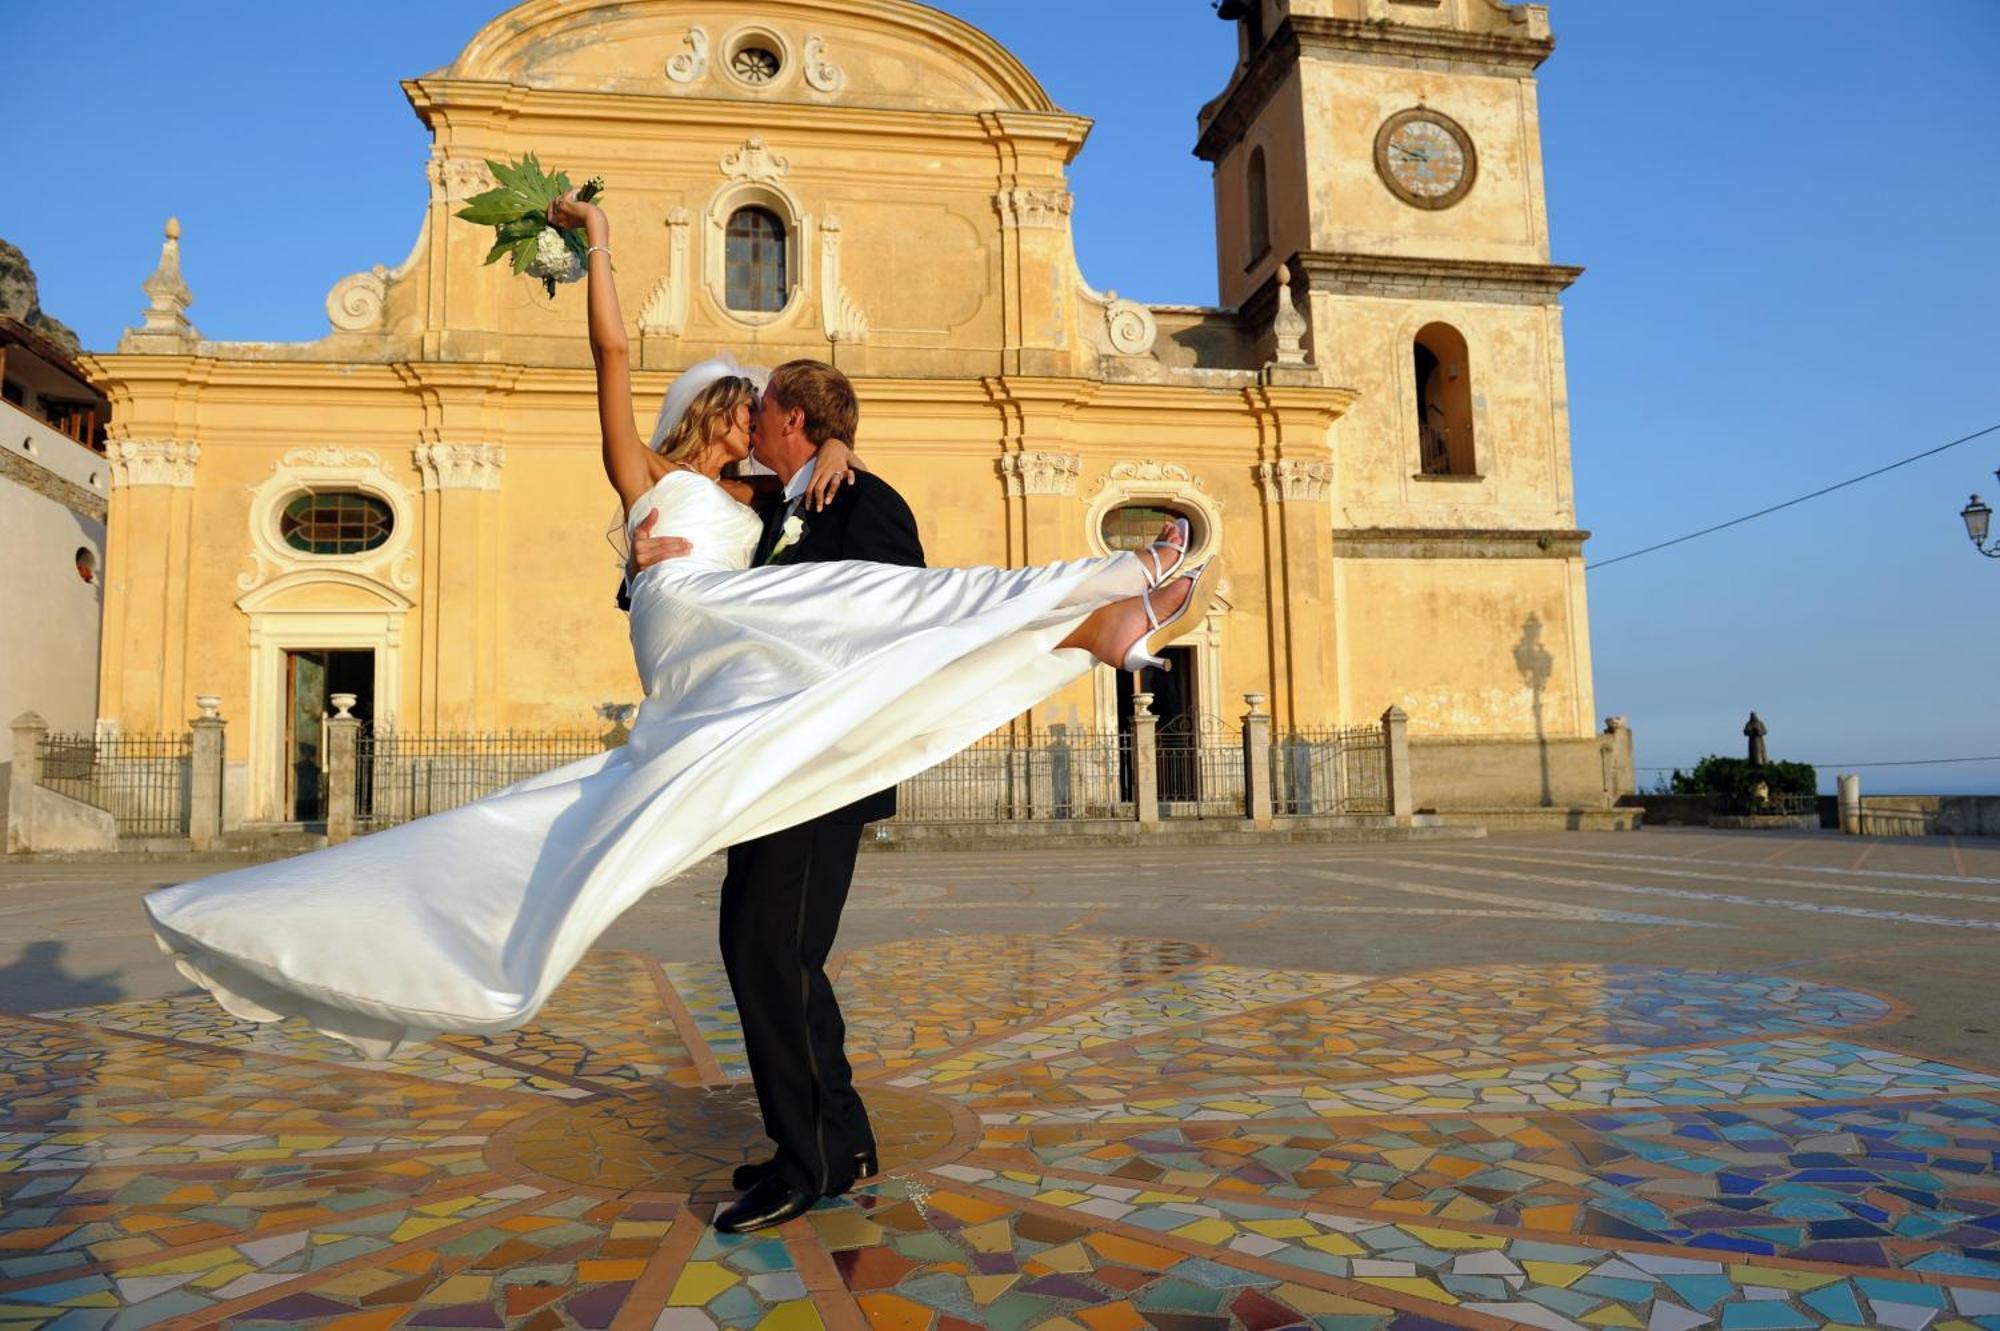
(775, 692)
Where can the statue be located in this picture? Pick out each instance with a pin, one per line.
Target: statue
(1756, 730)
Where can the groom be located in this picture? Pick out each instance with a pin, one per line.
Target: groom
(782, 896)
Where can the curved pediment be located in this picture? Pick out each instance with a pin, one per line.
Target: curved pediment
(892, 54)
(324, 591)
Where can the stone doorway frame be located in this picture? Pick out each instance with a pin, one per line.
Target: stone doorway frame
(277, 628)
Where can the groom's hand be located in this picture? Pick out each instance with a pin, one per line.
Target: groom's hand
(648, 549)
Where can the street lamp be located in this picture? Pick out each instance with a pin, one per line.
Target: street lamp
(1978, 522)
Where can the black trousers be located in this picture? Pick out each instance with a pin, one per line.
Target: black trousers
(781, 904)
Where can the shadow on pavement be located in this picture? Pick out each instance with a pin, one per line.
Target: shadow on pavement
(37, 981)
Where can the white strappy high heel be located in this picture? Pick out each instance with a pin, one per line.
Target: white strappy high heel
(1162, 572)
(1180, 623)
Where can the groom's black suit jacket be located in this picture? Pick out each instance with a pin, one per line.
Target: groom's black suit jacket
(867, 520)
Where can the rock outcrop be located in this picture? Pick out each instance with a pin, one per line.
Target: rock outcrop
(20, 298)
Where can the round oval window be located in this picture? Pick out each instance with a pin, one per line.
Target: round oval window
(1136, 526)
(341, 522)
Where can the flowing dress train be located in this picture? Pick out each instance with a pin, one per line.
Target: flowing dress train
(772, 695)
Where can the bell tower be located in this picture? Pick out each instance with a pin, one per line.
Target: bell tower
(1389, 152)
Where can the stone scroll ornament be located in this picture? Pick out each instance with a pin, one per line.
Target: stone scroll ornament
(517, 210)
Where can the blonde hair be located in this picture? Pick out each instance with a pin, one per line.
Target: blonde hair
(707, 417)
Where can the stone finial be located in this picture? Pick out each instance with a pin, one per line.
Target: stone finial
(1289, 327)
(165, 325)
(210, 705)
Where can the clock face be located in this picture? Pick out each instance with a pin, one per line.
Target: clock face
(1425, 158)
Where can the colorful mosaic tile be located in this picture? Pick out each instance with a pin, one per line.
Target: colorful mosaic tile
(1530, 1280)
(1205, 994)
(704, 990)
(996, 984)
(1775, 1072)
(1904, 1185)
(1080, 1133)
(1449, 1020)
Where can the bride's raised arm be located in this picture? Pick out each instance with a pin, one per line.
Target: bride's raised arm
(628, 463)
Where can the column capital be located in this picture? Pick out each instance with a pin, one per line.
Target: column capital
(1295, 482)
(152, 462)
(1034, 472)
(1025, 206)
(461, 466)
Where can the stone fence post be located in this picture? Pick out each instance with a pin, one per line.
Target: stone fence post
(1145, 761)
(29, 731)
(1396, 762)
(205, 774)
(1257, 761)
(1848, 785)
(343, 739)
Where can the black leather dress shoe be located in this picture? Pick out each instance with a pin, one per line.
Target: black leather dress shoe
(745, 1176)
(772, 1201)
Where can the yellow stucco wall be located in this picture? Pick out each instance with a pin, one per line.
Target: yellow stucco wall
(922, 173)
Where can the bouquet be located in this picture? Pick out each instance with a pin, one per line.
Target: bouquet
(517, 210)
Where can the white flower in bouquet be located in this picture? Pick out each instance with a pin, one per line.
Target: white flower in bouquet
(517, 210)
(554, 260)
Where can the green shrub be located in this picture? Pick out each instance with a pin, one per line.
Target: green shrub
(1735, 778)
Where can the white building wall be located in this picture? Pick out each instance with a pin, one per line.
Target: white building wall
(52, 497)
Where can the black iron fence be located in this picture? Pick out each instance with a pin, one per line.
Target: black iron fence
(1201, 770)
(400, 777)
(1330, 770)
(1002, 779)
(142, 781)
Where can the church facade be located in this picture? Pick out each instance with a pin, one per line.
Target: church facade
(1371, 426)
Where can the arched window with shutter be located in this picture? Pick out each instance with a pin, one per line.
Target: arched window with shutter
(754, 277)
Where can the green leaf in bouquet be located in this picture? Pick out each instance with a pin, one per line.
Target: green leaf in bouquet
(500, 247)
(578, 243)
(521, 227)
(498, 206)
(524, 254)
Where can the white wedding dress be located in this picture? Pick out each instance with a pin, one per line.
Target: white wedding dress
(773, 695)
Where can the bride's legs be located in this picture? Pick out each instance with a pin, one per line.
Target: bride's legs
(1110, 631)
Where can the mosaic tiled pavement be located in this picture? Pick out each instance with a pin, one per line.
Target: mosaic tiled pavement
(1082, 1133)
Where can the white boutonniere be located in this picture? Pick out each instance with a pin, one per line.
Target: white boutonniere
(788, 536)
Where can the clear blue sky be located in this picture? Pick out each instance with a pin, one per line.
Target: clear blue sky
(1788, 210)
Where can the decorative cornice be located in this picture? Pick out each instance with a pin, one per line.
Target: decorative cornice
(152, 462)
(461, 466)
(1402, 44)
(1032, 472)
(1021, 206)
(1295, 482)
(1355, 41)
(1468, 543)
(1399, 277)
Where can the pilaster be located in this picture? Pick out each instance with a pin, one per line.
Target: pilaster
(1296, 480)
(459, 687)
(143, 665)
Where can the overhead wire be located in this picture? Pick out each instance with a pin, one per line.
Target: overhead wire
(1765, 512)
